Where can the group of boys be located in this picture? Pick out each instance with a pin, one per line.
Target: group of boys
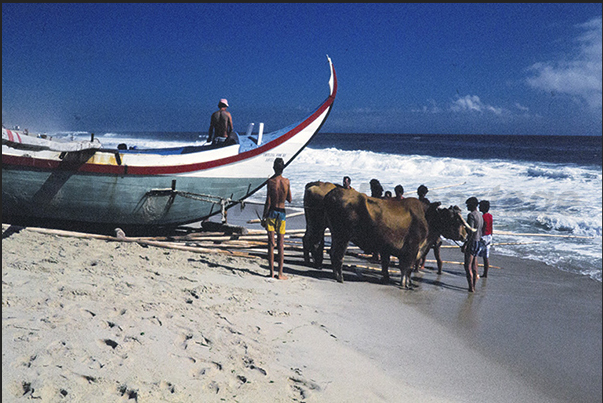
(479, 240)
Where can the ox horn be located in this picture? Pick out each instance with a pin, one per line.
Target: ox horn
(467, 226)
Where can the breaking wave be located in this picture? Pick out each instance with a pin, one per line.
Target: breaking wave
(559, 201)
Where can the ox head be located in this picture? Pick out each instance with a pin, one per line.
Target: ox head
(448, 222)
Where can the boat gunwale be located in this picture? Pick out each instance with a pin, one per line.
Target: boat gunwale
(40, 163)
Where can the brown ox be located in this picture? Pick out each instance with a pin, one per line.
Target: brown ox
(316, 222)
(446, 222)
(388, 226)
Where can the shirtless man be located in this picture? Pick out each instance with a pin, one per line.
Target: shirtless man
(220, 125)
(278, 191)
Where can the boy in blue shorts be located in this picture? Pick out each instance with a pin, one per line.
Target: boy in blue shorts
(472, 246)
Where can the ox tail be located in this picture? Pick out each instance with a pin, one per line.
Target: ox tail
(422, 249)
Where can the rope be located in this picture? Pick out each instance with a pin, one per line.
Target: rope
(205, 198)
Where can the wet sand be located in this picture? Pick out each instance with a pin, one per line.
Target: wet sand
(97, 320)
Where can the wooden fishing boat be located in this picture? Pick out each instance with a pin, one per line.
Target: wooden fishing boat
(44, 180)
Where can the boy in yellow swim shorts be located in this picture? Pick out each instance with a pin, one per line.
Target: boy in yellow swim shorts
(276, 221)
(278, 191)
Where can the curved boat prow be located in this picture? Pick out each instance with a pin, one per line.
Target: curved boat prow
(333, 79)
(291, 140)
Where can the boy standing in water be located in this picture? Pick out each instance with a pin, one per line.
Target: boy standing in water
(278, 191)
(484, 252)
(471, 247)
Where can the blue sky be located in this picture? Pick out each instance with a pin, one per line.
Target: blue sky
(402, 68)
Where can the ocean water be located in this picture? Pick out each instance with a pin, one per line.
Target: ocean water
(544, 185)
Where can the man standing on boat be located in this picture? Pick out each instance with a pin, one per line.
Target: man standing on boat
(278, 191)
(221, 125)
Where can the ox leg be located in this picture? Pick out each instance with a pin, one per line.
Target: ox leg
(407, 278)
(318, 251)
(407, 265)
(313, 244)
(414, 252)
(306, 245)
(338, 248)
(385, 267)
(436, 252)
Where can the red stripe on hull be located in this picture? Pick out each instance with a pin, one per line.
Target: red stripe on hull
(173, 169)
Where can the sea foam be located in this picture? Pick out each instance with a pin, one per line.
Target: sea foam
(560, 201)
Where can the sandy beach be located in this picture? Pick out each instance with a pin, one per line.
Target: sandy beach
(98, 320)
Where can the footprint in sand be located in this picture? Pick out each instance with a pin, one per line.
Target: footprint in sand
(212, 386)
(127, 392)
(165, 385)
(302, 388)
(183, 339)
(26, 361)
(205, 370)
(251, 365)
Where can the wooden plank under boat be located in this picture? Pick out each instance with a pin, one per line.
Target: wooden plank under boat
(45, 180)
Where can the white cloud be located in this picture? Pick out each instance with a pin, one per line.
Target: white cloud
(431, 108)
(580, 74)
(472, 103)
(468, 103)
